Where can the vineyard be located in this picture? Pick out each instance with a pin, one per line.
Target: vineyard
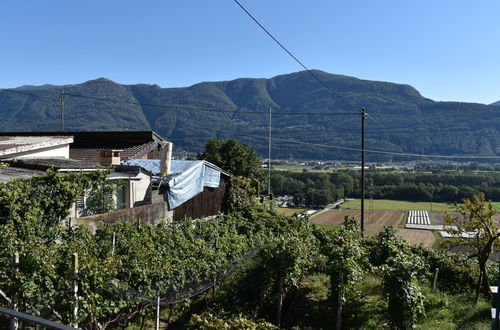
(244, 270)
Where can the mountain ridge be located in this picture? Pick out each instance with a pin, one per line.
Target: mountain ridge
(404, 120)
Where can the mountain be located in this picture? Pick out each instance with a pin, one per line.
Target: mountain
(497, 103)
(400, 119)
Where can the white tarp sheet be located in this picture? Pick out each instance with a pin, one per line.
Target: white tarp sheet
(189, 177)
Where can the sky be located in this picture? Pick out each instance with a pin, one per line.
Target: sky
(449, 50)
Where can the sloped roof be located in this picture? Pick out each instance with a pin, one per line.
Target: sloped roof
(14, 144)
(56, 163)
(88, 145)
(8, 173)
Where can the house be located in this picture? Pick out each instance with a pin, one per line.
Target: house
(87, 146)
(194, 189)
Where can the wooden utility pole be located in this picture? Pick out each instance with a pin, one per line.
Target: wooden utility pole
(269, 156)
(363, 118)
(62, 110)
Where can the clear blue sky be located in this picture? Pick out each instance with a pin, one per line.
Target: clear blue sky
(447, 49)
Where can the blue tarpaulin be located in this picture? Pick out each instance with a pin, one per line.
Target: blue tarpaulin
(188, 177)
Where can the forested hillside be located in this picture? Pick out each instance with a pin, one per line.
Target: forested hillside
(403, 120)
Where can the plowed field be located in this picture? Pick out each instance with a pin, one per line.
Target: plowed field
(417, 237)
(374, 220)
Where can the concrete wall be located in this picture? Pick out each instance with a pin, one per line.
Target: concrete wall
(49, 152)
(151, 213)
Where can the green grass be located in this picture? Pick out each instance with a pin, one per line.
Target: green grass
(369, 310)
(454, 312)
(298, 168)
(392, 205)
(289, 211)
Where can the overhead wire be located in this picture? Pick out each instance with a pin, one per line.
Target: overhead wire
(394, 153)
(315, 76)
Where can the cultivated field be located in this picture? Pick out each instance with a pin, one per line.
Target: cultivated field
(417, 237)
(392, 205)
(374, 221)
(289, 211)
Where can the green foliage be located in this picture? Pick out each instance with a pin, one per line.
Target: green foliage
(323, 188)
(400, 269)
(241, 195)
(476, 219)
(37, 206)
(406, 302)
(345, 258)
(208, 321)
(100, 198)
(292, 253)
(457, 273)
(345, 254)
(234, 157)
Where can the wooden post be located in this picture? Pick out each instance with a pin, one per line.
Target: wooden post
(74, 278)
(434, 282)
(157, 320)
(14, 322)
(496, 321)
(280, 301)
(113, 244)
(340, 302)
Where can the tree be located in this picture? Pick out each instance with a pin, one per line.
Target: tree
(234, 157)
(475, 229)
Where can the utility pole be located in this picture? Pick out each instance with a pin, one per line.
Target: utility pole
(269, 155)
(363, 118)
(62, 110)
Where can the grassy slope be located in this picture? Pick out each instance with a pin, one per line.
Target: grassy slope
(442, 311)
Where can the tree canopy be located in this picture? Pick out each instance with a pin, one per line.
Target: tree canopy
(476, 229)
(234, 157)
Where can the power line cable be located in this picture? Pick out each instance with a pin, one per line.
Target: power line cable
(285, 49)
(403, 154)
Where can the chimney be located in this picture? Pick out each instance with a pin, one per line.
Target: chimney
(165, 158)
(110, 157)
